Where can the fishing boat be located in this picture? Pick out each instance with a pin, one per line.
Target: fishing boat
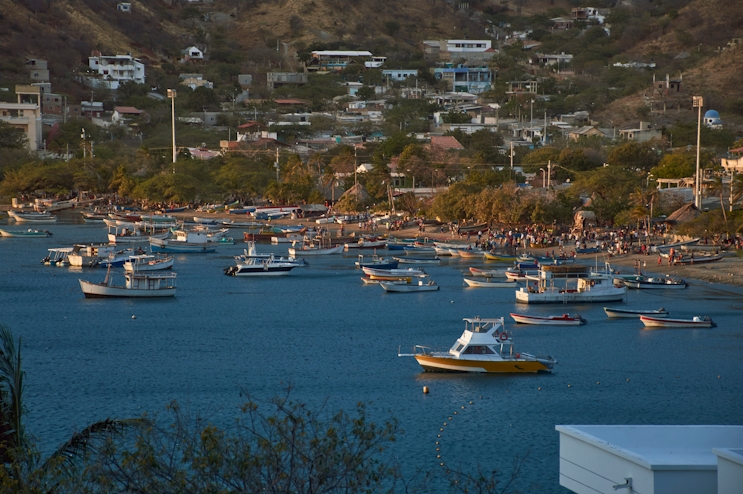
(315, 247)
(147, 262)
(25, 233)
(493, 256)
(93, 216)
(137, 285)
(376, 262)
(260, 266)
(484, 347)
(649, 283)
(569, 284)
(488, 273)
(89, 256)
(420, 286)
(409, 272)
(490, 283)
(52, 205)
(290, 238)
(471, 253)
(634, 314)
(366, 243)
(563, 320)
(372, 281)
(418, 260)
(695, 322)
(32, 216)
(184, 242)
(691, 259)
(125, 235)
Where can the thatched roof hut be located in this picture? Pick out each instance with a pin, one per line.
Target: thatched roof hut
(685, 213)
(359, 193)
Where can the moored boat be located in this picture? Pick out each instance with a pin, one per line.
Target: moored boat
(569, 284)
(32, 216)
(376, 262)
(490, 283)
(484, 347)
(634, 314)
(25, 233)
(408, 272)
(89, 255)
(137, 285)
(147, 262)
(418, 260)
(488, 273)
(650, 283)
(695, 322)
(562, 320)
(420, 286)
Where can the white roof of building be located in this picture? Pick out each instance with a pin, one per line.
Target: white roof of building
(341, 53)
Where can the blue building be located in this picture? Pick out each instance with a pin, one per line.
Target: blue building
(399, 74)
(473, 80)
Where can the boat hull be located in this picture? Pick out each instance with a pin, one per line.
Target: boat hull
(444, 364)
(548, 321)
(490, 284)
(100, 290)
(24, 234)
(525, 297)
(633, 314)
(398, 288)
(653, 322)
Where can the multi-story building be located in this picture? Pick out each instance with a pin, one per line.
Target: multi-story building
(473, 80)
(277, 79)
(27, 117)
(115, 69)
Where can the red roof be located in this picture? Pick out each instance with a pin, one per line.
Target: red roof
(446, 142)
(248, 125)
(290, 102)
(737, 150)
(130, 110)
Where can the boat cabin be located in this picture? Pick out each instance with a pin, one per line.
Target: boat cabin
(482, 337)
(136, 281)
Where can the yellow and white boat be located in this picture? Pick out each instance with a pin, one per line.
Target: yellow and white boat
(485, 346)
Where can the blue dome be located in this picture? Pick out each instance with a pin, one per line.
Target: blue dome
(712, 114)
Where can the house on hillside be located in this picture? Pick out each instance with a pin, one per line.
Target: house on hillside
(641, 134)
(125, 114)
(337, 59)
(561, 23)
(125, 7)
(192, 54)
(278, 79)
(398, 74)
(26, 117)
(586, 131)
(473, 80)
(669, 87)
(112, 70)
(37, 70)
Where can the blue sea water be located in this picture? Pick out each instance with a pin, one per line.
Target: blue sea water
(334, 339)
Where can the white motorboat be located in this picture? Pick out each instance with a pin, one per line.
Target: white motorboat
(665, 283)
(315, 247)
(695, 322)
(569, 284)
(52, 205)
(634, 314)
(32, 217)
(252, 252)
(137, 285)
(57, 257)
(562, 320)
(484, 347)
(420, 286)
(406, 272)
(90, 255)
(433, 261)
(25, 233)
(199, 241)
(490, 283)
(290, 238)
(488, 273)
(260, 266)
(147, 262)
(126, 235)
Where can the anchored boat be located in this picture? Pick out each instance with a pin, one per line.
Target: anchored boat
(634, 314)
(484, 346)
(563, 320)
(137, 285)
(695, 322)
(569, 284)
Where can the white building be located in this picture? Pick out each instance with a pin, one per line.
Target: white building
(26, 117)
(651, 459)
(468, 45)
(115, 69)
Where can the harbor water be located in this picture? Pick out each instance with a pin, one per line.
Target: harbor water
(335, 339)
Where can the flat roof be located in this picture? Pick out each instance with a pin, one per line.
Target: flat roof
(660, 447)
(340, 53)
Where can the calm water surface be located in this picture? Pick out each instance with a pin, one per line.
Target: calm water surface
(333, 338)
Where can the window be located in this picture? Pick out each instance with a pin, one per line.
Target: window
(478, 350)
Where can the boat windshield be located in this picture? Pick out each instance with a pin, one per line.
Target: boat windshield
(478, 350)
(457, 347)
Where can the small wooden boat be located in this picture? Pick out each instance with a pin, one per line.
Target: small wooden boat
(376, 262)
(492, 256)
(489, 283)
(418, 260)
(421, 286)
(690, 260)
(371, 281)
(563, 320)
(695, 322)
(657, 283)
(138, 285)
(471, 253)
(32, 216)
(409, 272)
(488, 273)
(25, 233)
(634, 314)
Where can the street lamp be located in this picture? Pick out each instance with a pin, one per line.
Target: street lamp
(647, 181)
(544, 178)
(698, 102)
(171, 95)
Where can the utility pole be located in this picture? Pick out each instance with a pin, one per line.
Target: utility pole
(82, 136)
(549, 172)
(511, 176)
(277, 165)
(698, 102)
(172, 95)
(355, 166)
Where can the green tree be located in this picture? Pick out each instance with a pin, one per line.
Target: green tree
(678, 165)
(12, 137)
(634, 155)
(365, 93)
(609, 189)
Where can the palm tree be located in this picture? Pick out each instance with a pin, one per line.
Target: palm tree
(718, 188)
(17, 452)
(737, 188)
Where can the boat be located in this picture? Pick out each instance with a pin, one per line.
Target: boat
(634, 314)
(288, 239)
(421, 286)
(89, 256)
(665, 248)
(147, 262)
(666, 283)
(125, 235)
(569, 284)
(588, 250)
(372, 281)
(563, 320)
(376, 262)
(93, 216)
(488, 273)
(489, 283)
(184, 242)
(484, 347)
(242, 224)
(409, 272)
(660, 322)
(480, 227)
(32, 216)
(471, 253)
(315, 247)
(117, 259)
(52, 205)
(418, 260)
(691, 259)
(178, 209)
(493, 256)
(260, 266)
(25, 233)
(57, 257)
(137, 285)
